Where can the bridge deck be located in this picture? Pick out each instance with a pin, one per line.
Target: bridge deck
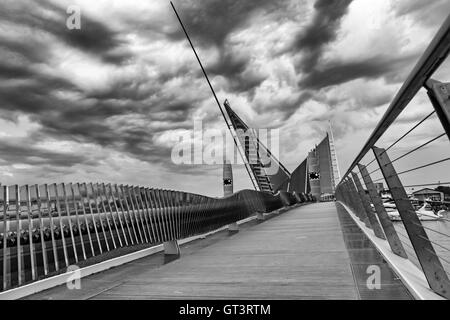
(300, 254)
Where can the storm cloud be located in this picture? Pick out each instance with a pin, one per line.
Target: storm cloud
(107, 100)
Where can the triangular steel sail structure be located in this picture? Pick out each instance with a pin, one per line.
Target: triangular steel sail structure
(336, 174)
(257, 156)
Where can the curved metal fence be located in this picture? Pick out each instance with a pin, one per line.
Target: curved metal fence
(44, 229)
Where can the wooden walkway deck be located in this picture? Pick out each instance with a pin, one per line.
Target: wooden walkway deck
(300, 254)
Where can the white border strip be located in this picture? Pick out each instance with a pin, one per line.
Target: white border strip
(60, 279)
(411, 276)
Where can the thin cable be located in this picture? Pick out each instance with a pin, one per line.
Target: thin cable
(209, 82)
(403, 136)
(413, 150)
(435, 254)
(435, 243)
(417, 168)
(438, 232)
(419, 147)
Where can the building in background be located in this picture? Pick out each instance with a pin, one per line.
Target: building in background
(324, 169)
(428, 194)
(319, 173)
(314, 173)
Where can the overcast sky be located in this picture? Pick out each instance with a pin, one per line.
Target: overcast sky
(103, 103)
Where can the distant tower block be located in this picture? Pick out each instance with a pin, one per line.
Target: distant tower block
(227, 179)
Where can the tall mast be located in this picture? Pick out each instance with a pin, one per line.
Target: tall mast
(334, 159)
(212, 89)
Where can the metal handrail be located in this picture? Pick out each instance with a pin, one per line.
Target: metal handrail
(431, 59)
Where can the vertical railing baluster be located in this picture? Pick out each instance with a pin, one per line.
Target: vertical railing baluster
(35, 203)
(139, 213)
(171, 197)
(179, 201)
(73, 206)
(182, 214)
(107, 189)
(126, 214)
(188, 217)
(165, 210)
(114, 214)
(154, 213)
(195, 211)
(431, 265)
(45, 202)
(104, 222)
(25, 202)
(164, 214)
(63, 197)
(13, 193)
(79, 205)
(101, 196)
(172, 201)
(90, 198)
(145, 213)
(168, 202)
(129, 200)
(54, 202)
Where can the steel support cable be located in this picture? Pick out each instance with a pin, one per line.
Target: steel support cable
(403, 136)
(435, 254)
(419, 147)
(411, 151)
(433, 242)
(427, 228)
(417, 168)
(210, 86)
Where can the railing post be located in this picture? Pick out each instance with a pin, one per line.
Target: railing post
(368, 209)
(386, 223)
(439, 94)
(171, 248)
(431, 265)
(344, 194)
(233, 227)
(357, 203)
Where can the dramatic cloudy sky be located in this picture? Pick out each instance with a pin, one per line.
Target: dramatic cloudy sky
(104, 103)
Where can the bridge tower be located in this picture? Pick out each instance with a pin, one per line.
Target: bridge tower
(260, 162)
(336, 174)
